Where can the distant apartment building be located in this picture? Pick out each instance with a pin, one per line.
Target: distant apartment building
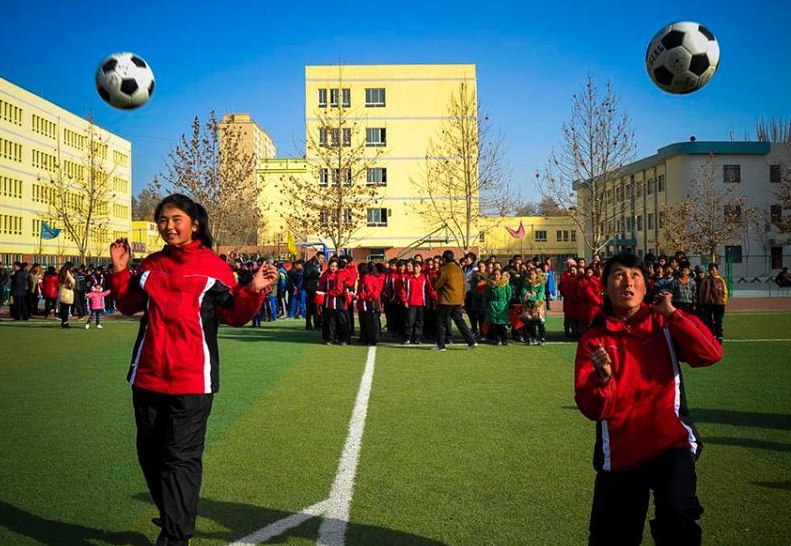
(636, 199)
(38, 140)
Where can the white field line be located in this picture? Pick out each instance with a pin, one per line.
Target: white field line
(333, 528)
(279, 527)
(335, 509)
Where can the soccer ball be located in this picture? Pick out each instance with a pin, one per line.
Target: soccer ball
(124, 80)
(682, 57)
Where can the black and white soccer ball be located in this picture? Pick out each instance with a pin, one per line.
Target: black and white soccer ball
(682, 57)
(125, 80)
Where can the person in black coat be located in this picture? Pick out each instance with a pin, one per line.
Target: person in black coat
(310, 282)
(19, 310)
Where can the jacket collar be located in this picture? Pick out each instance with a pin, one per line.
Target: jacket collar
(615, 324)
(184, 251)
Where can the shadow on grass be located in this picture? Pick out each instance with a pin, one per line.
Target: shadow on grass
(59, 533)
(747, 442)
(239, 520)
(774, 485)
(777, 421)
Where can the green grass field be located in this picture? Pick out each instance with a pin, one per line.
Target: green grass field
(482, 447)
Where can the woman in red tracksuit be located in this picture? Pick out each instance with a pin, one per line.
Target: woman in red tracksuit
(628, 380)
(369, 290)
(591, 298)
(567, 286)
(185, 291)
(334, 322)
(416, 292)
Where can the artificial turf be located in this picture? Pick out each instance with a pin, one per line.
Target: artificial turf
(460, 448)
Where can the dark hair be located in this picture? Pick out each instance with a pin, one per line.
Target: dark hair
(380, 268)
(341, 263)
(715, 265)
(622, 258)
(448, 256)
(64, 270)
(194, 210)
(362, 268)
(684, 263)
(321, 253)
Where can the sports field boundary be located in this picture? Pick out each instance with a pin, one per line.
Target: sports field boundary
(334, 509)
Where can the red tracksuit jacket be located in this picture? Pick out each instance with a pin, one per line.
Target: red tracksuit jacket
(416, 291)
(369, 292)
(641, 411)
(185, 292)
(334, 287)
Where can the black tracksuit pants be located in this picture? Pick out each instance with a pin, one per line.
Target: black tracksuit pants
(620, 503)
(413, 324)
(171, 431)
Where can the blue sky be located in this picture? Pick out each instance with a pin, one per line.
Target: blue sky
(247, 56)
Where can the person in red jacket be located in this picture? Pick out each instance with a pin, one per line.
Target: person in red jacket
(416, 294)
(566, 287)
(591, 298)
(368, 303)
(334, 322)
(185, 291)
(628, 380)
(49, 288)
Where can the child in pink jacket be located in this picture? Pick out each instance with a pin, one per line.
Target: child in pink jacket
(96, 304)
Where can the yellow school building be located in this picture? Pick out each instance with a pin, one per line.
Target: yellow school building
(40, 140)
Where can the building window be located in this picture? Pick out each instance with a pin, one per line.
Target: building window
(43, 126)
(345, 95)
(10, 225)
(120, 159)
(322, 98)
(377, 217)
(376, 255)
(375, 97)
(43, 160)
(661, 219)
(733, 254)
(347, 137)
(347, 216)
(323, 136)
(482, 237)
(565, 235)
(733, 212)
(650, 186)
(660, 183)
(376, 176)
(776, 214)
(324, 218)
(335, 137)
(10, 113)
(650, 220)
(11, 187)
(560, 235)
(573, 234)
(731, 174)
(342, 175)
(323, 177)
(640, 223)
(375, 137)
(775, 174)
(541, 236)
(777, 257)
(10, 150)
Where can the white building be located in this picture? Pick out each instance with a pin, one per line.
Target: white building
(635, 201)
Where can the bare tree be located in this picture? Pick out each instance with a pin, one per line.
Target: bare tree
(79, 194)
(332, 201)
(711, 215)
(463, 178)
(774, 130)
(145, 204)
(597, 142)
(212, 168)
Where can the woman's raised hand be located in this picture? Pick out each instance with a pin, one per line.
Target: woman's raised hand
(265, 277)
(120, 254)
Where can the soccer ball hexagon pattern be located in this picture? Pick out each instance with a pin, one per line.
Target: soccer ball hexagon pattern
(125, 80)
(682, 57)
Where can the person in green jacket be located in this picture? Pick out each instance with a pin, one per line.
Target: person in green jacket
(534, 297)
(498, 300)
